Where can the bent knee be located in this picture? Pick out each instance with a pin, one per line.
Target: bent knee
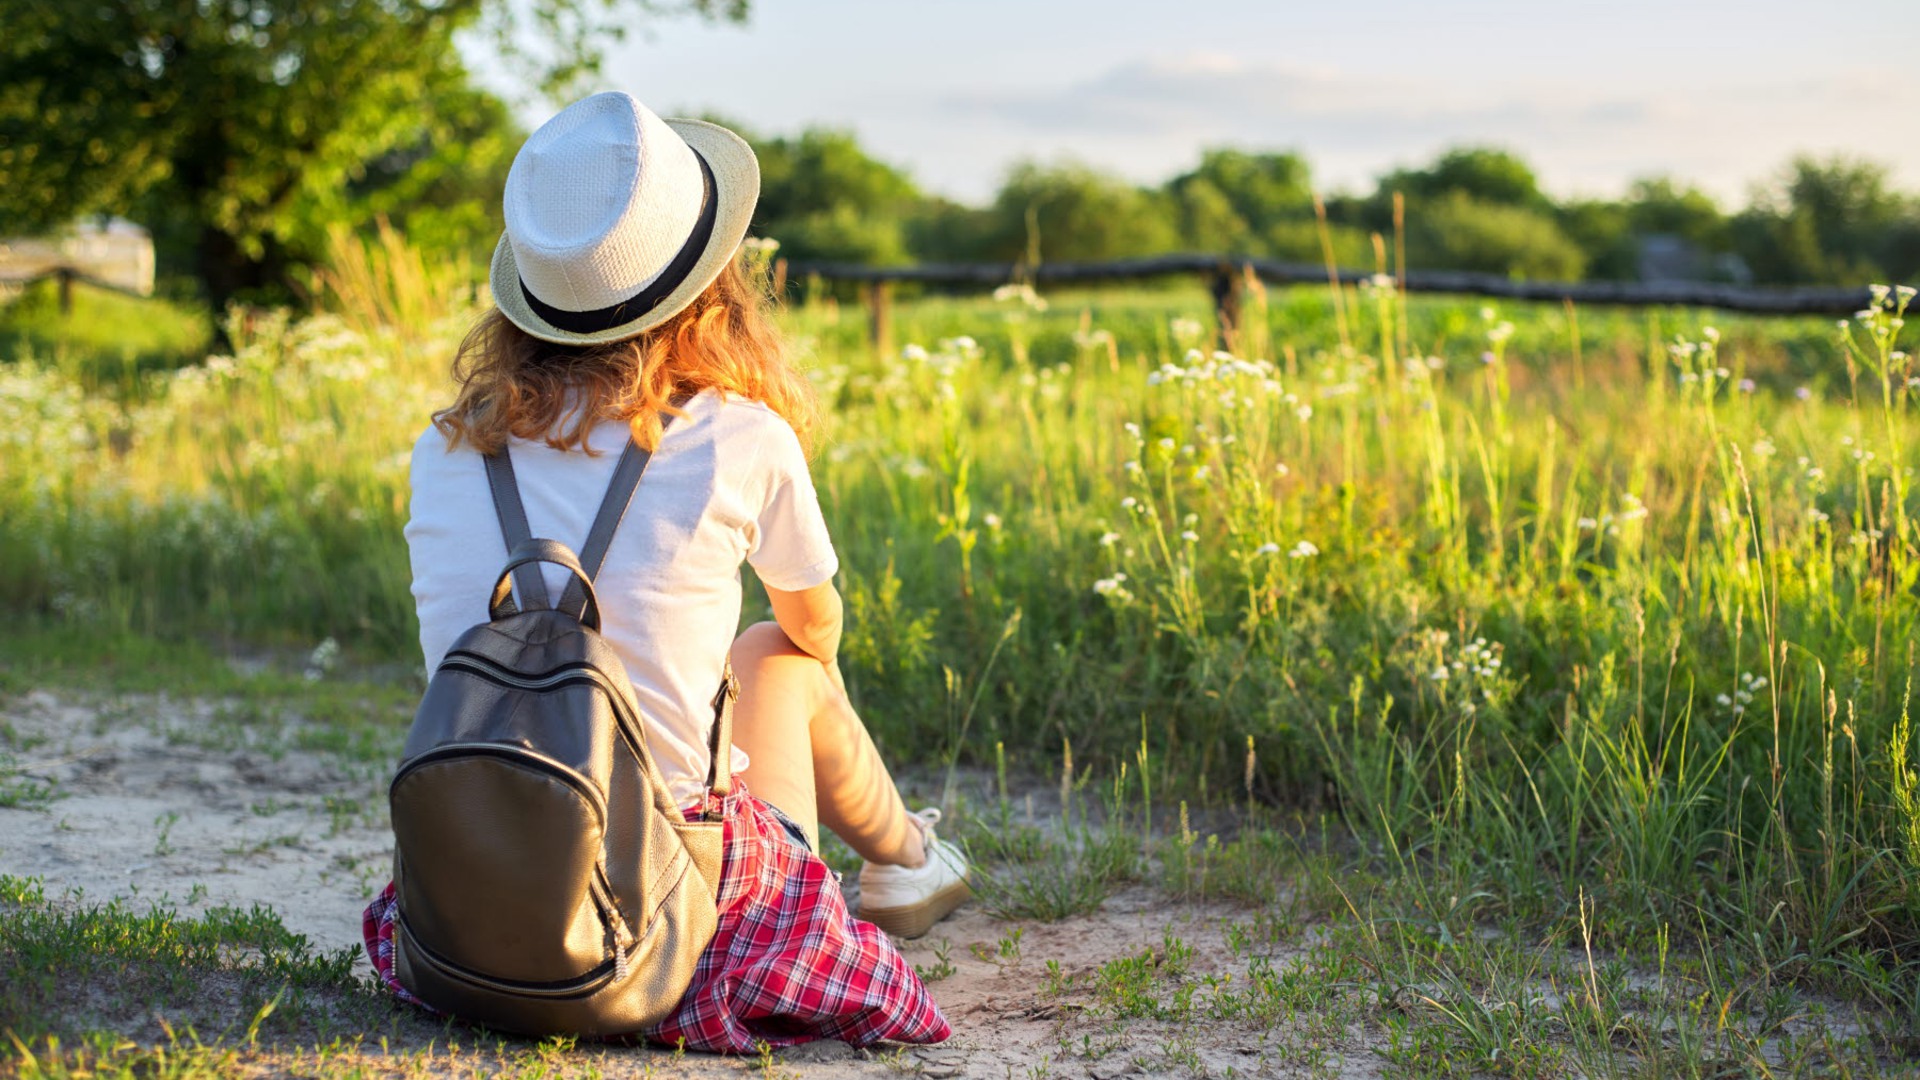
(767, 662)
(763, 640)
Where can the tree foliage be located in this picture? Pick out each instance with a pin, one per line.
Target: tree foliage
(241, 129)
(1237, 201)
(1485, 174)
(1071, 212)
(1831, 220)
(1460, 232)
(824, 198)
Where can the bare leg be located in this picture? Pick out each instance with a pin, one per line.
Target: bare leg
(811, 755)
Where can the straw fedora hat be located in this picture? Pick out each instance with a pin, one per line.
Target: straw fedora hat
(618, 219)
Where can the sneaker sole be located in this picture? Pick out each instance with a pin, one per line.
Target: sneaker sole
(914, 920)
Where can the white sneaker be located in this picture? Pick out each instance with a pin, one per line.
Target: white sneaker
(907, 901)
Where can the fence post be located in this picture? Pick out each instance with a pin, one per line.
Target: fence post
(64, 276)
(880, 315)
(1226, 284)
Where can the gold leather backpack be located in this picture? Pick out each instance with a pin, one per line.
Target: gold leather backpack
(547, 883)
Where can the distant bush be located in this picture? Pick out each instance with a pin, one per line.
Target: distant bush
(1460, 232)
(1828, 221)
(1072, 212)
(824, 198)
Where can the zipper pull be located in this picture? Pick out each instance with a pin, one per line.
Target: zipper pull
(617, 930)
(622, 943)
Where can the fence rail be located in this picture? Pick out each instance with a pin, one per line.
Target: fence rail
(66, 276)
(1226, 276)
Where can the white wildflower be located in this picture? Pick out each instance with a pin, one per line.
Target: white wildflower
(322, 660)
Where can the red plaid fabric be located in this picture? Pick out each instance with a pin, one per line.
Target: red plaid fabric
(789, 964)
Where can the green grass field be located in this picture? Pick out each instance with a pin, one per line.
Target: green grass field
(1591, 626)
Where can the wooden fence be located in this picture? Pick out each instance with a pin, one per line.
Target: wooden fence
(1226, 277)
(66, 276)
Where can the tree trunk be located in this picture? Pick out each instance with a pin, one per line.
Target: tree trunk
(228, 274)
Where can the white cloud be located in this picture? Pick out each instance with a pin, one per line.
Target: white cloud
(1148, 117)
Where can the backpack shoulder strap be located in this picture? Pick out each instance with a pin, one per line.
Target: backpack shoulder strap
(613, 507)
(513, 528)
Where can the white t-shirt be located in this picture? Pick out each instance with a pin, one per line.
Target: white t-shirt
(728, 483)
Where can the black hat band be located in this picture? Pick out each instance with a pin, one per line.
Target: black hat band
(637, 305)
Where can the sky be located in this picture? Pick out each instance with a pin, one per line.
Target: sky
(1594, 95)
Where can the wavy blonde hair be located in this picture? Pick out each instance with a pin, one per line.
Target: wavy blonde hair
(514, 384)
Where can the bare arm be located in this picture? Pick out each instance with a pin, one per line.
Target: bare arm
(811, 619)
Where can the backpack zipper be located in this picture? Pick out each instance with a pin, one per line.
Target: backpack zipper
(604, 972)
(494, 673)
(619, 934)
(515, 754)
(625, 720)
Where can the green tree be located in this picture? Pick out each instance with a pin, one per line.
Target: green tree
(1208, 221)
(1460, 232)
(824, 198)
(245, 124)
(1487, 174)
(941, 230)
(1603, 230)
(441, 188)
(1070, 212)
(1662, 205)
(1832, 221)
(1235, 200)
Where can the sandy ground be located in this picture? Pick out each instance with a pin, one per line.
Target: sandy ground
(189, 802)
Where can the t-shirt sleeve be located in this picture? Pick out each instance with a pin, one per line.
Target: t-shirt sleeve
(791, 549)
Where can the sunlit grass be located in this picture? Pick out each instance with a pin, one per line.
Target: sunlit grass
(1549, 608)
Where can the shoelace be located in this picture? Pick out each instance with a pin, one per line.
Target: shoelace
(925, 819)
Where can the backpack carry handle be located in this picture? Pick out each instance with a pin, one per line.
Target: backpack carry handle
(527, 553)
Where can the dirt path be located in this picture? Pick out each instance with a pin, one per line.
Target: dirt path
(199, 804)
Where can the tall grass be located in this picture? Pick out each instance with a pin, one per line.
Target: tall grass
(1618, 604)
